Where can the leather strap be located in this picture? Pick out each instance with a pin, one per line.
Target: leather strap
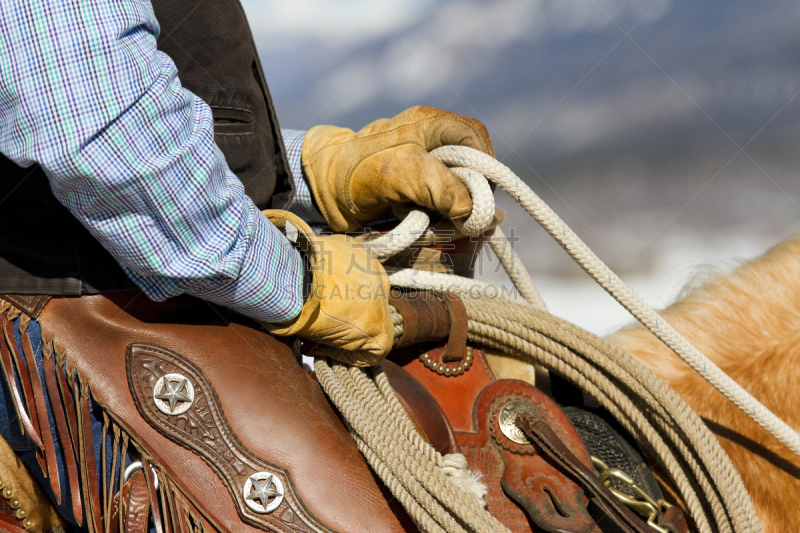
(136, 506)
(171, 506)
(72, 421)
(152, 494)
(674, 521)
(8, 370)
(88, 458)
(425, 412)
(58, 410)
(24, 376)
(540, 434)
(457, 336)
(123, 453)
(431, 317)
(425, 318)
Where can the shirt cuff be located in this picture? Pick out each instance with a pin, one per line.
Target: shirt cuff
(302, 202)
(269, 286)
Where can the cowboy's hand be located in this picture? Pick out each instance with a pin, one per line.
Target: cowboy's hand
(357, 176)
(347, 309)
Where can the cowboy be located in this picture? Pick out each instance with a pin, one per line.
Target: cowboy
(139, 146)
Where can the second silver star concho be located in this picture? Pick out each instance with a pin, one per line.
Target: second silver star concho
(263, 492)
(173, 394)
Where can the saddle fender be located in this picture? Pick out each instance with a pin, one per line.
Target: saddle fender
(523, 488)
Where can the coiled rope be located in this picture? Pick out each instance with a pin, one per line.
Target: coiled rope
(460, 157)
(644, 405)
(518, 325)
(409, 466)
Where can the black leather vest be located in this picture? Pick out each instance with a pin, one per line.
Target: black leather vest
(45, 250)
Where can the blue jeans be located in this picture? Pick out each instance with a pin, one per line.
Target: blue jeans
(11, 431)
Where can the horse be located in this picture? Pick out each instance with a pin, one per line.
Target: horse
(748, 323)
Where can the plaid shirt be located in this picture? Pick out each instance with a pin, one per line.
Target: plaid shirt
(85, 94)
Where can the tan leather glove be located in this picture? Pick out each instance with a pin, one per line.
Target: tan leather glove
(357, 177)
(347, 309)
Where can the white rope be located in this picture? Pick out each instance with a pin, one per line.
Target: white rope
(438, 281)
(516, 271)
(400, 238)
(440, 493)
(482, 201)
(461, 156)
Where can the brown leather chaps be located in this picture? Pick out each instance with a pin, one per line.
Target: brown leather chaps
(254, 418)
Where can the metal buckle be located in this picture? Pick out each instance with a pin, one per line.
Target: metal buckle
(645, 505)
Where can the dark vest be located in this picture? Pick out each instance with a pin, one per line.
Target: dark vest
(45, 250)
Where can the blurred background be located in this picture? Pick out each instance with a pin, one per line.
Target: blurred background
(665, 133)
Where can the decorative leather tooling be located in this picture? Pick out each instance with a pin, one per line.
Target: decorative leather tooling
(252, 457)
(506, 417)
(176, 398)
(515, 470)
(244, 419)
(263, 492)
(173, 394)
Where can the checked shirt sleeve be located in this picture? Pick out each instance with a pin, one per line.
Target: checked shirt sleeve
(302, 204)
(85, 94)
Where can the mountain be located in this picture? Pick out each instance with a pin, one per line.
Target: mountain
(550, 79)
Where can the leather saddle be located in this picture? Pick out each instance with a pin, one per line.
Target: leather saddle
(233, 435)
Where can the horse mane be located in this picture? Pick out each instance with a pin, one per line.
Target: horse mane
(747, 322)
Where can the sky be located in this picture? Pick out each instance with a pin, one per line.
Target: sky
(664, 132)
(549, 77)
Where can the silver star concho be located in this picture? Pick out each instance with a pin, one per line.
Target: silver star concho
(263, 492)
(173, 394)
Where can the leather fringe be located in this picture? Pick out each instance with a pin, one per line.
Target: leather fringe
(112, 504)
(57, 405)
(12, 379)
(41, 409)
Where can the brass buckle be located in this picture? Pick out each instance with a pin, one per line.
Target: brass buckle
(644, 505)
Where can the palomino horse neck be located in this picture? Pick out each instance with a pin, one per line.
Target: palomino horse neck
(748, 323)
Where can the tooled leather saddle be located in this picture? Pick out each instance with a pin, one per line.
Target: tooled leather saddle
(231, 433)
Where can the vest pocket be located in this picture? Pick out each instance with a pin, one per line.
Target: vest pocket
(244, 143)
(232, 121)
